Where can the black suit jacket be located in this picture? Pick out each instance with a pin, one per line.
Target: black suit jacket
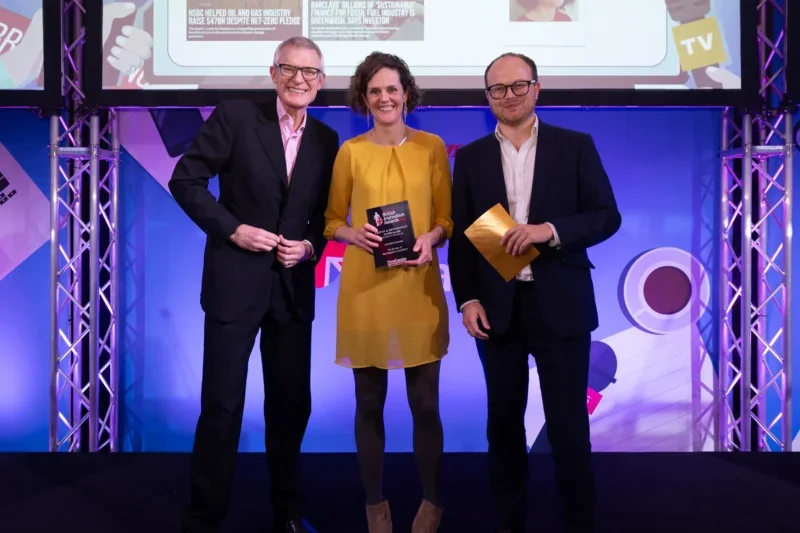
(241, 143)
(571, 191)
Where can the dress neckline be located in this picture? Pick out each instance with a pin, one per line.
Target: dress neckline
(409, 134)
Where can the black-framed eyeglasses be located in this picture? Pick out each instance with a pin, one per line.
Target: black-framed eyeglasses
(290, 71)
(519, 88)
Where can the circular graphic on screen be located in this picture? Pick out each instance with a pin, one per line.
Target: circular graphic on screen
(665, 289)
(602, 366)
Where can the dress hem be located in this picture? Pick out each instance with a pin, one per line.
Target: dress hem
(384, 367)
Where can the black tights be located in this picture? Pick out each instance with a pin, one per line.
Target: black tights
(422, 387)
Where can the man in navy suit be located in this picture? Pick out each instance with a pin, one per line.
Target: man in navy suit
(552, 182)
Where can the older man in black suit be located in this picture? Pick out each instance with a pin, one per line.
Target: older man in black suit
(274, 164)
(552, 183)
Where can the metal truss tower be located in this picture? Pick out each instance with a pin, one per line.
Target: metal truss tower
(753, 393)
(84, 302)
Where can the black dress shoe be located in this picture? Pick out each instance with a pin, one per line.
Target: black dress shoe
(294, 526)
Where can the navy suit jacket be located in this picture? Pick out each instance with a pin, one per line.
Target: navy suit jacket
(241, 143)
(571, 190)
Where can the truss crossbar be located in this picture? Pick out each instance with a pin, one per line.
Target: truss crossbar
(754, 376)
(83, 263)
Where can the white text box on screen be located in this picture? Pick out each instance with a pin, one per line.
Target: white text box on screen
(603, 41)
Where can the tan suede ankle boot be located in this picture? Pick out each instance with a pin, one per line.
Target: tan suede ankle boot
(428, 518)
(379, 518)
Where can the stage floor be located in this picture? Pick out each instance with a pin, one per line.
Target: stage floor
(641, 493)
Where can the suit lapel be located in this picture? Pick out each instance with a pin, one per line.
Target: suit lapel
(543, 170)
(269, 135)
(495, 180)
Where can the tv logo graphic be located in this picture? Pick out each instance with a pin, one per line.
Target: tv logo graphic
(699, 44)
(5, 194)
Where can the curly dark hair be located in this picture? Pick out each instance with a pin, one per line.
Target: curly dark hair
(367, 69)
(530, 4)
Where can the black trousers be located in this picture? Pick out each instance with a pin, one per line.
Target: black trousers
(286, 361)
(563, 367)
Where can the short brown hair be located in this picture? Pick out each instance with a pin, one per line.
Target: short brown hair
(369, 67)
(530, 62)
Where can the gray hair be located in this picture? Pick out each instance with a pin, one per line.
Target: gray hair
(299, 42)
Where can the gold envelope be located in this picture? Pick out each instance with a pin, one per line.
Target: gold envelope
(486, 232)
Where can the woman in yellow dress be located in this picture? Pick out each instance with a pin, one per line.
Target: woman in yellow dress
(390, 318)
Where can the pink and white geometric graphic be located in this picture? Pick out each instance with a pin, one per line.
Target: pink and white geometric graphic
(24, 214)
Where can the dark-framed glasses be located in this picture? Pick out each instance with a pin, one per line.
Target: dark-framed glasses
(519, 88)
(290, 71)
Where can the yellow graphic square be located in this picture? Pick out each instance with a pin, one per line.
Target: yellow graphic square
(699, 44)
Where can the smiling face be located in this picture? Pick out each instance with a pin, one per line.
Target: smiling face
(298, 76)
(385, 97)
(511, 109)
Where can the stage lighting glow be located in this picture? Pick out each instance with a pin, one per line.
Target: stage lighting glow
(15, 385)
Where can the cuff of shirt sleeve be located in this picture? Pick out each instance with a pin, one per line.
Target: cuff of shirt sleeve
(465, 304)
(555, 241)
(312, 254)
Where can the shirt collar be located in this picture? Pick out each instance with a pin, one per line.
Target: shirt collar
(534, 130)
(284, 117)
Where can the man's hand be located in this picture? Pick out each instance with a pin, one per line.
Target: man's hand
(472, 315)
(292, 252)
(254, 239)
(520, 237)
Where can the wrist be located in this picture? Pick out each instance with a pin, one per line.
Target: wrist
(434, 236)
(350, 235)
(309, 252)
(232, 236)
(344, 234)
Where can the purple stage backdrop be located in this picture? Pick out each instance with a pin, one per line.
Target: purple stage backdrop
(655, 283)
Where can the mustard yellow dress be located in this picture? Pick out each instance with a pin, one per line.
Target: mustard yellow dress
(391, 317)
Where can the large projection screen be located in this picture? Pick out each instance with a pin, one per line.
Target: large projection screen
(590, 52)
(30, 53)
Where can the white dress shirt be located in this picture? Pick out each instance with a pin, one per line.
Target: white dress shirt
(291, 144)
(518, 175)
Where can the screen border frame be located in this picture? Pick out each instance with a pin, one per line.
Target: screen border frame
(50, 96)
(748, 95)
